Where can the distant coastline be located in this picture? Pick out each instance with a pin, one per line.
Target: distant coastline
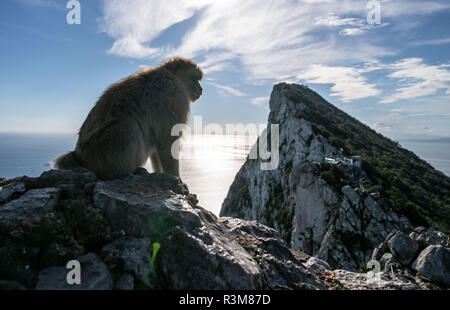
(436, 140)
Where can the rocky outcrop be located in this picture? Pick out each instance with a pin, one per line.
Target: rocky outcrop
(424, 253)
(146, 231)
(403, 248)
(112, 228)
(8, 191)
(280, 266)
(317, 210)
(433, 263)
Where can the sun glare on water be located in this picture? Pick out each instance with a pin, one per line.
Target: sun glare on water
(209, 164)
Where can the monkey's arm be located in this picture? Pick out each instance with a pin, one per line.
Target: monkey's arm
(169, 164)
(156, 163)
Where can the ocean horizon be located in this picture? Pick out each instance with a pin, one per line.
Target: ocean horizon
(208, 171)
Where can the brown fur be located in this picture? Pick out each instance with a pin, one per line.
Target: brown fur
(133, 119)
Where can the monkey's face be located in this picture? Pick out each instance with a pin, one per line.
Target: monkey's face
(191, 78)
(196, 90)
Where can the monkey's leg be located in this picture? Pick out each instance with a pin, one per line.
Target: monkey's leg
(156, 163)
(169, 164)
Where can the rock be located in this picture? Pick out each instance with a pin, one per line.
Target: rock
(403, 248)
(317, 264)
(426, 237)
(34, 236)
(351, 194)
(336, 223)
(375, 196)
(113, 227)
(391, 265)
(281, 266)
(372, 281)
(11, 286)
(386, 258)
(94, 276)
(142, 206)
(56, 178)
(118, 221)
(193, 244)
(33, 204)
(206, 257)
(335, 252)
(7, 192)
(434, 264)
(124, 283)
(383, 247)
(133, 256)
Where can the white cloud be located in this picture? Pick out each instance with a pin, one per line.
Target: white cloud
(130, 47)
(333, 20)
(352, 31)
(262, 102)
(135, 23)
(228, 89)
(432, 42)
(348, 83)
(419, 79)
(273, 40)
(253, 32)
(217, 62)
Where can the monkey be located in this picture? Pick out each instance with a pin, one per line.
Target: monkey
(132, 122)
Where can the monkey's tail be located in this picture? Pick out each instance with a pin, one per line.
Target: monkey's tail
(65, 161)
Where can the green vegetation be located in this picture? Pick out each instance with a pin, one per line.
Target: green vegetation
(333, 175)
(152, 263)
(411, 186)
(241, 197)
(274, 212)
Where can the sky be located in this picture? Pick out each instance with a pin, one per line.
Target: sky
(393, 75)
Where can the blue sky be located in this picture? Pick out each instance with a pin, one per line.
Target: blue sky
(394, 76)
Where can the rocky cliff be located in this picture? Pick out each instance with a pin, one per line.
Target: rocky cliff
(146, 231)
(315, 199)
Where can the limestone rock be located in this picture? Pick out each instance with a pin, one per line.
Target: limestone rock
(281, 266)
(403, 248)
(206, 257)
(338, 223)
(113, 227)
(32, 205)
(373, 281)
(434, 263)
(351, 194)
(125, 282)
(94, 276)
(8, 191)
(317, 264)
(132, 255)
(118, 222)
(426, 237)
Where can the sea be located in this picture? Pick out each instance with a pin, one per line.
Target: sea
(208, 164)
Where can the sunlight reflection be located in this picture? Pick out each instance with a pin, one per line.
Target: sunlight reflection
(209, 164)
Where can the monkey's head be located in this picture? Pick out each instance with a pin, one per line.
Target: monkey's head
(188, 72)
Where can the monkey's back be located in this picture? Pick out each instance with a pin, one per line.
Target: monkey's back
(124, 116)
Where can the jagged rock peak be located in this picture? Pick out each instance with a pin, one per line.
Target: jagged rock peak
(321, 198)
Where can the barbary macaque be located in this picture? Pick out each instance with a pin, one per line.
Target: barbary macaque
(133, 119)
